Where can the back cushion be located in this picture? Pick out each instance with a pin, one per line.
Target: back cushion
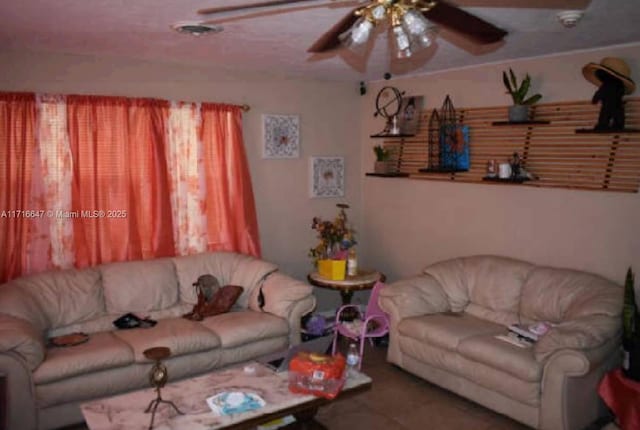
(495, 285)
(450, 275)
(54, 299)
(139, 286)
(230, 268)
(556, 295)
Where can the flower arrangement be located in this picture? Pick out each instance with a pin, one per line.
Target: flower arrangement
(335, 237)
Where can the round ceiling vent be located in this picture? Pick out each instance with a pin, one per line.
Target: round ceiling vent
(196, 28)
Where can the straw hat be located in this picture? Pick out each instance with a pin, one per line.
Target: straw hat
(615, 67)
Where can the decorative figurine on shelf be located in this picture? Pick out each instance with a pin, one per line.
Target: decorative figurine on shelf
(612, 76)
(516, 164)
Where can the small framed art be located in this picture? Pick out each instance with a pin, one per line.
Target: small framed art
(327, 176)
(281, 136)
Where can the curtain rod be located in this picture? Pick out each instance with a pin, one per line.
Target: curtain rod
(245, 107)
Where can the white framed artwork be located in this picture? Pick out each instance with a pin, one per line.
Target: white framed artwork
(327, 176)
(281, 136)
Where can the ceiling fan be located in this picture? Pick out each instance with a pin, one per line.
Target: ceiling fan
(411, 22)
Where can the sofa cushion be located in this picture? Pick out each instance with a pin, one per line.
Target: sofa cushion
(446, 330)
(556, 295)
(178, 334)
(54, 299)
(450, 275)
(101, 351)
(501, 355)
(241, 327)
(527, 392)
(495, 284)
(139, 286)
(481, 374)
(230, 268)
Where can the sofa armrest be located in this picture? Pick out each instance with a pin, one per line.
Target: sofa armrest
(412, 297)
(582, 334)
(20, 337)
(287, 298)
(569, 383)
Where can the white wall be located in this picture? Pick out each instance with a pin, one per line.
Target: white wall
(409, 224)
(329, 125)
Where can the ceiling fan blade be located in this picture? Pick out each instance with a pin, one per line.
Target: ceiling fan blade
(214, 10)
(456, 19)
(519, 4)
(330, 40)
(265, 13)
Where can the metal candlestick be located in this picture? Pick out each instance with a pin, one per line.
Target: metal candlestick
(158, 377)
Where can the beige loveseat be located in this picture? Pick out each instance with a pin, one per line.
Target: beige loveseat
(444, 323)
(47, 384)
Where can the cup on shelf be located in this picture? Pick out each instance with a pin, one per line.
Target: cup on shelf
(504, 171)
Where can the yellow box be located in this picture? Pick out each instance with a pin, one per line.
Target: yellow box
(332, 269)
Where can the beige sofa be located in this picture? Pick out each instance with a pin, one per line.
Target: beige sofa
(46, 385)
(444, 323)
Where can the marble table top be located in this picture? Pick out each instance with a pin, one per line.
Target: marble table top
(126, 411)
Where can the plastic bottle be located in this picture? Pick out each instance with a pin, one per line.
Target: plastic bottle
(352, 263)
(353, 359)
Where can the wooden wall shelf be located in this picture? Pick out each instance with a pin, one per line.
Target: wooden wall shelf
(390, 136)
(389, 175)
(550, 147)
(516, 123)
(592, 131)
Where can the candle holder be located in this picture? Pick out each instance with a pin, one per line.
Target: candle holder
(158, 377)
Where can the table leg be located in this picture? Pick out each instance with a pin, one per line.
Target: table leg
(351, 313)
(305, 420)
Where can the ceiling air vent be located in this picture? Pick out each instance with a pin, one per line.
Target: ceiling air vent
(196, 28)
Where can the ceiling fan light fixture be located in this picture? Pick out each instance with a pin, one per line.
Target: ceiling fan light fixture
(195, 28)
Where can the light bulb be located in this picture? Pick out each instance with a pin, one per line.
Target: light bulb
(403, 48)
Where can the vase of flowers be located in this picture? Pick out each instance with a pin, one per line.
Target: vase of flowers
(335, 238)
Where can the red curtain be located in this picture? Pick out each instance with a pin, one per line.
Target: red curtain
(119, 179)
(230, 209)
(121, 202)
(17, 148)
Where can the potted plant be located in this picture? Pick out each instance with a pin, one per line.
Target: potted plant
(519, 112)
(382, 164)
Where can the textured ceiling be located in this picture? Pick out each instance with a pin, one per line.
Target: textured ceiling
(276, 43)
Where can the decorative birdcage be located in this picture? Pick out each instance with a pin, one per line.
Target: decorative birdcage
(447, 146)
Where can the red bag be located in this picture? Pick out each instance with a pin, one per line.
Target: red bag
(318, 374)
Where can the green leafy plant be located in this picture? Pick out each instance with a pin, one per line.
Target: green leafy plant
(519, 92)
(382, 154)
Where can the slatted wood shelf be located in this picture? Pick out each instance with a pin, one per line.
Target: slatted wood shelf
(550, 147)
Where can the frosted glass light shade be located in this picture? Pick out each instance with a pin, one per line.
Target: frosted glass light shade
(357, 36)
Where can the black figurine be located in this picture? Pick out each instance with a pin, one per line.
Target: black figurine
(612, 76)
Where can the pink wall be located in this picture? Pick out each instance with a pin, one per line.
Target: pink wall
(409, 224)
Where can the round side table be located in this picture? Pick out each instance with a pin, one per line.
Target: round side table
(364, 280)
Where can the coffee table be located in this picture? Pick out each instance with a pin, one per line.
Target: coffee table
(126, 411)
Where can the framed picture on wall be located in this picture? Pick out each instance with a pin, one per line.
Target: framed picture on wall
(327, 176)
(281, 136)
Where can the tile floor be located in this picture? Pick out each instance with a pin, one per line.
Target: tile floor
(400, 401)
